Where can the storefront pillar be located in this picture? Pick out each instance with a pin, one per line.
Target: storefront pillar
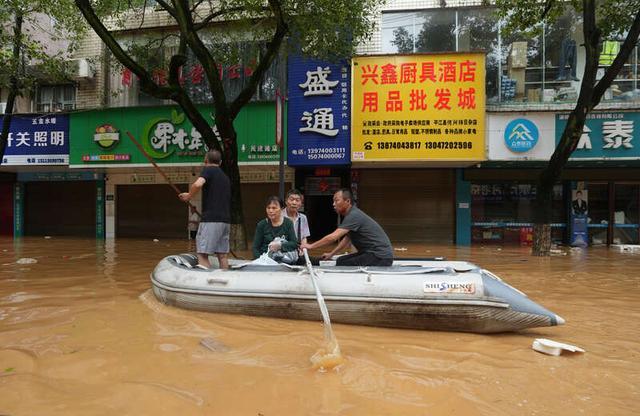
(463, 210)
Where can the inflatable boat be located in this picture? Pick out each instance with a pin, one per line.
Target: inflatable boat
(413, 294)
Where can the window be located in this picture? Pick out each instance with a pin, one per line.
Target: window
(419, 31)
(521, 68)
(50, 98)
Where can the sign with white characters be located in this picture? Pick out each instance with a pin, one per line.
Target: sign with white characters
(37, 140)
(318, 115)
(606, 135)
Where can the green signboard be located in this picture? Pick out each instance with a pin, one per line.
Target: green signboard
(99, 138)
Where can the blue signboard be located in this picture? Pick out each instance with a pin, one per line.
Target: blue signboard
(521, 135)
(318, 113)
(38, 140)
(610, 135)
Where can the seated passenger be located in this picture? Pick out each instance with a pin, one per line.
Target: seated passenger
(357, 228)
(275, 235)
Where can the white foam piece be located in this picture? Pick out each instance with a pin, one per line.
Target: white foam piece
(550, 347)
(631, 248)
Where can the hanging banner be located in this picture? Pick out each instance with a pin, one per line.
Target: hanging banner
(579, 216)
(606, 135)
(98, 138)
(418, 107)
(37, 140)
(318, 113)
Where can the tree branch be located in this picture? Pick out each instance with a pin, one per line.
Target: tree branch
(220, 13)
(612, 72)
(168, 8)
(185, 23)
(577, 117)
(13, 83)
(146, 82)
(273, 47)
(547, 8)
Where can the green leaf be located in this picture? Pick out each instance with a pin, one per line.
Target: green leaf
(177, 118)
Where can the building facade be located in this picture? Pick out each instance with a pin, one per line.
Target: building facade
(503, 111)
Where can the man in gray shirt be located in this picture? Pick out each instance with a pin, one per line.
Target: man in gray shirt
(357, 228)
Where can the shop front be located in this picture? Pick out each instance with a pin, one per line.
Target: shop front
(46, 198)
(139, 202)
(6, 203)
(417, 120)
(596, 200)
(609, 184)
(503, 190)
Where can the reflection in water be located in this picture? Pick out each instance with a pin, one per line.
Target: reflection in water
(80, 333)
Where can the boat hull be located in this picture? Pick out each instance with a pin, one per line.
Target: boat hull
(434, 317)
(353, 298)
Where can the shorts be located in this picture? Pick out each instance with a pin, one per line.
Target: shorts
(212, 237)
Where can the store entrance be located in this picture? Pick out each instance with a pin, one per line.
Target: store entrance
(614, 213)
(6, 208)
(150, 211)
(322, 218)
(66, 208)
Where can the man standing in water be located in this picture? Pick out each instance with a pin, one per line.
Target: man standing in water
(357, 228)
(213, 231)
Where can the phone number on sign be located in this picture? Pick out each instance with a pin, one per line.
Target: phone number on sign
(427, 145)
(326, 153)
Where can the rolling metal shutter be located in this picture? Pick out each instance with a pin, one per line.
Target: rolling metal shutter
(410, 204)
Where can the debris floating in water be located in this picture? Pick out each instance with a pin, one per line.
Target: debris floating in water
(26, 260)
(46, 237)
(400, 249)
(155, 240)
(550, 347)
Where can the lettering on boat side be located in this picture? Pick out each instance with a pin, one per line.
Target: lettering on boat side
(446, 287)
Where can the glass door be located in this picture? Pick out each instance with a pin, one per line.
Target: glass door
(626, 215)
(598, 212)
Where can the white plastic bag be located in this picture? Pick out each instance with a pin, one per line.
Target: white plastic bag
(264, 260)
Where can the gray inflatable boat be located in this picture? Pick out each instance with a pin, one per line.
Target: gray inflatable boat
(412, 294)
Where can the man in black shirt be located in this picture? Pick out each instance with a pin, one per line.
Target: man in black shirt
(213, 231)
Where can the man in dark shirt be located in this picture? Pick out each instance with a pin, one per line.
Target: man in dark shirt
(213, 231)
(357, 228)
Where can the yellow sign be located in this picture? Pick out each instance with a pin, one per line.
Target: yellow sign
(418, 107)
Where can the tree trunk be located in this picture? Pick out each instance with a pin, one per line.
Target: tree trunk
(13, 85)
(541, 240)
(590, 95)
(238, 237)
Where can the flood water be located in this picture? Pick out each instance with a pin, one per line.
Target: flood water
(81, 334)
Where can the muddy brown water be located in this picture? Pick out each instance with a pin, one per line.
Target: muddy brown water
(81, 334)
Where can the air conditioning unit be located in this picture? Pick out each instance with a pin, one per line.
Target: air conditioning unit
(81, 69)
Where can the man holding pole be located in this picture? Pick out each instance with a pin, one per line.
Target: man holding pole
(213, 231)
